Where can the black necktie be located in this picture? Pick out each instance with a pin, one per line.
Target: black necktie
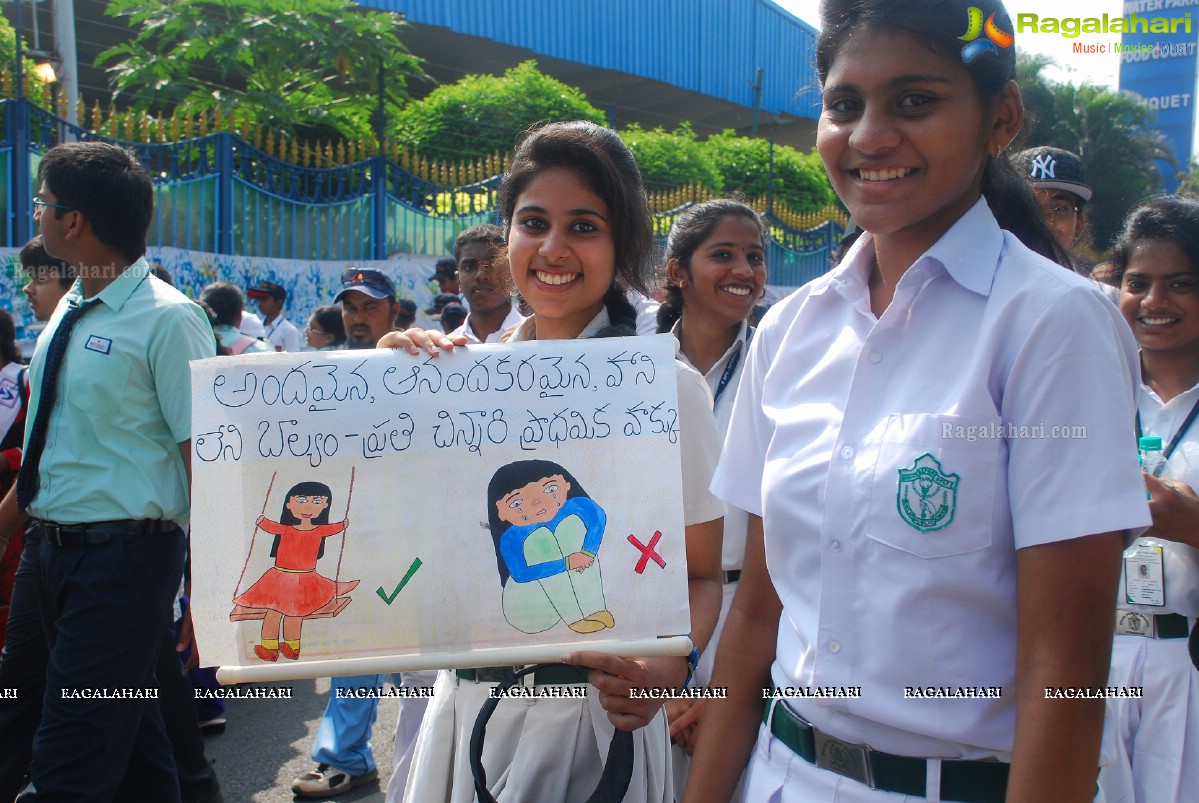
(28, 480)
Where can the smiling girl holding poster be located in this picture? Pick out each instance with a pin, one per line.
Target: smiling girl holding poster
(578, 233)
(882, 554)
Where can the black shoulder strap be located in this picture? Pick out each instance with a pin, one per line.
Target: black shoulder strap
(618, 768)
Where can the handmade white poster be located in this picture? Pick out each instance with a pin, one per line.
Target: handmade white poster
(363, 511)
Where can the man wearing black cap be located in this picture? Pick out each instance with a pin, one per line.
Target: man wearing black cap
(452, 317)
(368, 306)
(1058, 179)
(282, 333)
(445, 273)
(440, 302)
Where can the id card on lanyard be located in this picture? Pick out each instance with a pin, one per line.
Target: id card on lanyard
(1144, 561)
(731, 367)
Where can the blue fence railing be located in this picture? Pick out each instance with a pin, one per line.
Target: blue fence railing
(219, 194)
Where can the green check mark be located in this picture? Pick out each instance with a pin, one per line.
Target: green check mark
(390, 599)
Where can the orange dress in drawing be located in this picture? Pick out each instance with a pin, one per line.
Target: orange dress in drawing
(292, 586)
(292, 590)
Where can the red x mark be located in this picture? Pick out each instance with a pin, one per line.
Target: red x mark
(647, 552)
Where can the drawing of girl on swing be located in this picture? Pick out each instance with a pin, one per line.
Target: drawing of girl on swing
(547, 535)
(292, 589)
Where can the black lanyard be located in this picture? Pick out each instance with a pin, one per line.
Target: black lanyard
(1186, 424)
(731, 368)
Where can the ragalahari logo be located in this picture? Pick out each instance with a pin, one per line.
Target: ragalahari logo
(982, 37)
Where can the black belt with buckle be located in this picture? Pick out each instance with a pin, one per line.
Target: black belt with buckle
(94, 533)
(1159, 626)
(732, 576)
(549, 675)
(964, 781)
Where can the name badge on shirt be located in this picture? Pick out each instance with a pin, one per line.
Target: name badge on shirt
(1144, 575)
(99, 344)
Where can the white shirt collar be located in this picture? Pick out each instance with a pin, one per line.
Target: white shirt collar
(1189, 393)
(969, 252)
(527, 329)
(513, 318)
(714, 373)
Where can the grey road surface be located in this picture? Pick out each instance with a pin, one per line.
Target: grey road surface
(267, 743)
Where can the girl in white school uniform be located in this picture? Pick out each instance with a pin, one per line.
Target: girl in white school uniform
(578, 233)
(716, 267)
(1156, 737)
(925, 557)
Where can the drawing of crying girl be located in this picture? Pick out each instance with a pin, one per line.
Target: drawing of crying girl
(547, 535)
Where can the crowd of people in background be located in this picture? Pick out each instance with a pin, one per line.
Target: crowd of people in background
(838, 534)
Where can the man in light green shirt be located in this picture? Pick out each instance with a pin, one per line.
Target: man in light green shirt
(106, 495)
(126, 391)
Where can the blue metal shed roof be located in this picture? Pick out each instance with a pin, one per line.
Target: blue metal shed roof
(709, 46)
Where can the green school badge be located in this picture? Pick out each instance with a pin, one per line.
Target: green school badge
(927, 496)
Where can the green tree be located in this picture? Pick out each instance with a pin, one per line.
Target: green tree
(484, 114)
(1113, 133)
(669, 160)
(745, 165)
(308, 67)
(39, 93)
(1190, 182)
(1037, 93)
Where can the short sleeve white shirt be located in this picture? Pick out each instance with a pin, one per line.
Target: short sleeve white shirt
(722, 380)
(647, 312)
(899, 463)
(283, 334)
(513, 318)
(252, 325)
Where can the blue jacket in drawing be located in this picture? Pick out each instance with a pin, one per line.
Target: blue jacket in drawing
(530, 555)
(541, 590)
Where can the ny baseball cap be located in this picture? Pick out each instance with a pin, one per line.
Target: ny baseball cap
(267, 290)
(365, 280)
(1053, 169)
